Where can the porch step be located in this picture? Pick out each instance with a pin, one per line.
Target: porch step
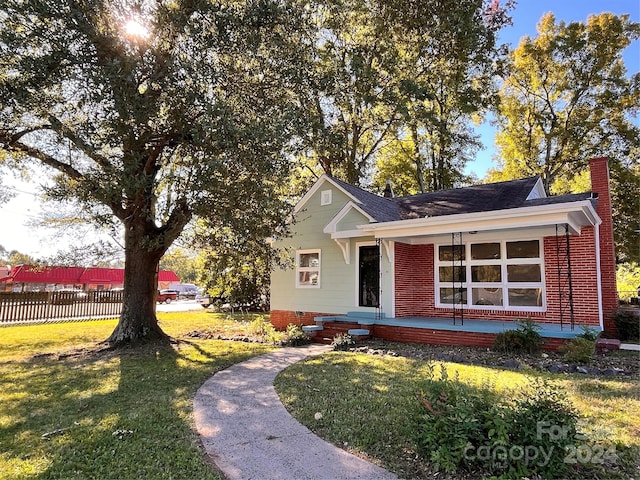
(359, 333)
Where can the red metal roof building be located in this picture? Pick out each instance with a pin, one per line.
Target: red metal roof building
(35, 278)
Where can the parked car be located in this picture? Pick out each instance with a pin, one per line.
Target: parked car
(167, 296)
(67, 296)
(109, 296)
(204, 300)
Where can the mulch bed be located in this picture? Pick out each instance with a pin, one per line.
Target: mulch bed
(618, 363)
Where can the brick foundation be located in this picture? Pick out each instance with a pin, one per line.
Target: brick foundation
(281, 318)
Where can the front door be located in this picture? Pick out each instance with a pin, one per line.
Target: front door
(369, 276)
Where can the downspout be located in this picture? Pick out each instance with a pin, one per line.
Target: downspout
(599, 276)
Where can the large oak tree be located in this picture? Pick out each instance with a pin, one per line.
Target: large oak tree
(152, 113)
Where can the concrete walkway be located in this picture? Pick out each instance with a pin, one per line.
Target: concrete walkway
(249, 435)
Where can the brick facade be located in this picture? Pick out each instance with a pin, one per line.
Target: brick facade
(414, 267)
(600, 184)
(447, 337)
(281, 318)
(414, 280)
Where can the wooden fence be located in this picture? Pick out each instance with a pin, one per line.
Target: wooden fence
(34, 307)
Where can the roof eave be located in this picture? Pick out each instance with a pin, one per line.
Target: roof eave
(575, 214)
(316, 186)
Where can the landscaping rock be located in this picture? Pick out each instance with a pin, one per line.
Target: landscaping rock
(457, 358)
(582, 370)
(556, 368)
(512, 364)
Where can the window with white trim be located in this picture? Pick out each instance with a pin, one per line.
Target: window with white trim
(308, 268)
(325, 197)
(504, 275)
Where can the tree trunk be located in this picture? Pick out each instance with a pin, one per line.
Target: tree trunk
(138, 322)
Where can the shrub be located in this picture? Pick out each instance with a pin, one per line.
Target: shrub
(342, 341)
(628, 326)
(295, 336)
(457, 420)
(578, 350)
(589, 333)
(525, 338)
(509, 342)
(265, 331)
(545, 421)
(467, 426)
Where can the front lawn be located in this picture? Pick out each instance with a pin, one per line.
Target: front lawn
(67, 412)
(371, 406)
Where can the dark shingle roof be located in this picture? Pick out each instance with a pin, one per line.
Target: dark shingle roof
(380, 208)
(476, 198)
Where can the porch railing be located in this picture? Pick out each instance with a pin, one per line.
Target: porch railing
(35, 307)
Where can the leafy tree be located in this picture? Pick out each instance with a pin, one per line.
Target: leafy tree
(390, 70)
(449, 62)
(14, 257)
(237, 270)
(567, 99)
(153, 113)
(628, 280)
(181, 263)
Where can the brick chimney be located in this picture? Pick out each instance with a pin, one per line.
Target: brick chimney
(599, 168)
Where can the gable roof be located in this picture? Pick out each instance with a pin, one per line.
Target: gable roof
(482, 203)
(380, 208)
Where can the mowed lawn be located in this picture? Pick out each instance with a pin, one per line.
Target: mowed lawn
(368, 405)
(69, 415)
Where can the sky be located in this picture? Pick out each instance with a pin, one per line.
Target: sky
(17, 234)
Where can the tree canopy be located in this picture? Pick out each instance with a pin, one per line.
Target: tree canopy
(568, 98)
(385, 71)
(153, 113)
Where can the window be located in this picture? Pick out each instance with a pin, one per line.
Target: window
(368, 275)
(491, 275)
(325, 197)
(308, 269)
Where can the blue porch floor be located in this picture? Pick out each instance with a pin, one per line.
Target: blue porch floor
(470, 325)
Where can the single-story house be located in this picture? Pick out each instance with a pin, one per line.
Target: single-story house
(29, 278)
(449, 267)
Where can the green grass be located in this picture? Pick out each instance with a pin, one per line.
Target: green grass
(108, 416)
(369, 406)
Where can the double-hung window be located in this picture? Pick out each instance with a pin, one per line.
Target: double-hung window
(308, 268)
(491, 275)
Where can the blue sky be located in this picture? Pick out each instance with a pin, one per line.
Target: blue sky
(525, 18)
(16, 235)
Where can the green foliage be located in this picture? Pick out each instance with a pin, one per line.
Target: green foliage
(235, 269)
(384, 71)
(148, 132)
(182, 263)
(628, 326)
(369, 401)
(525, 338)
(295, 336)
(628, 280)
(343, 342)
(588, 333)
(468, 426)
(578, 350)
(547, 122)
(264, 330)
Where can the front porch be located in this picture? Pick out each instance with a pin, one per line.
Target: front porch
(434, 331)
